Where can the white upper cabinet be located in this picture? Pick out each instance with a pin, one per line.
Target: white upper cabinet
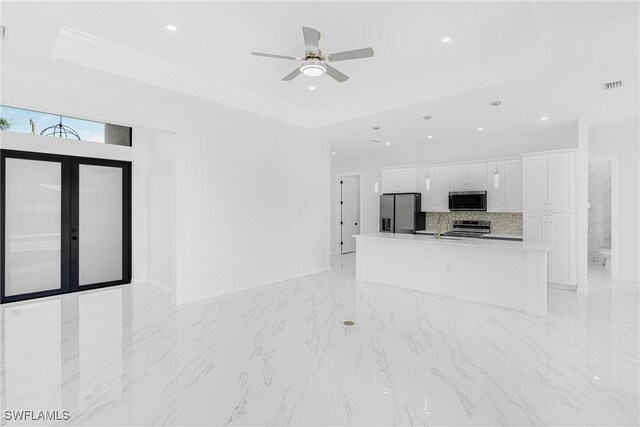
(441, 197)
(534, 175)
(561, 191)
(458, 178)
(389, 181)
(407, 180)
(468, 177)
(496, 196)
(513, 185)
(477, 176)
(504, 186)
(402, 180)
(435, 198)
(428, 189)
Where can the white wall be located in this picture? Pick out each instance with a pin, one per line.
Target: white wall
(253, 207)
(623, 140)
(557, 137)
(252, 194)
(161, 219)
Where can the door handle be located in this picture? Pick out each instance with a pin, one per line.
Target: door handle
(74, 237)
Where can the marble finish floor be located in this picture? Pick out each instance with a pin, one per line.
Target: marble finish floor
(280, 355)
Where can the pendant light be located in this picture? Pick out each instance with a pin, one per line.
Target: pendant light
(496, 173)
(376, 183)
(427, 180)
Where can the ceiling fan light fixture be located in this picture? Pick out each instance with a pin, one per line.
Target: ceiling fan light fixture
(313, 69)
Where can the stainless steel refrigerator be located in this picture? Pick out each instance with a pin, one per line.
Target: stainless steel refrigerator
(401, 213)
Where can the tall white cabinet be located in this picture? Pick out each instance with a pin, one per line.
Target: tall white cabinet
(549, 202)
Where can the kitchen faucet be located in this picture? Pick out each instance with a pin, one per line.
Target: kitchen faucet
(437, 235)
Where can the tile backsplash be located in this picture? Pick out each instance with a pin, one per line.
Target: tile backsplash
(501, 222)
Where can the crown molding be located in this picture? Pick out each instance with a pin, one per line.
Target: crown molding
(87, 50)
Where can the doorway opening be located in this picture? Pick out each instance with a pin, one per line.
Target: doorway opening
(349, 217)
(603, 213)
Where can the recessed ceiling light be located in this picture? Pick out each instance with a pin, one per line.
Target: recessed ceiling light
(333, 153)
(171, 27)
(429, 136)
(387, 143)
(544, 118)
(376, 128)
(446, 39)
(480, 129)
(312, 88)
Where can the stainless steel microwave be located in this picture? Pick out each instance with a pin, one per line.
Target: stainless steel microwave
(468, 201)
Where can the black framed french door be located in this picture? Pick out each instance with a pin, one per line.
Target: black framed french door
(66, 224)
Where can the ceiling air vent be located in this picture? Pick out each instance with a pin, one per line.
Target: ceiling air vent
(612, 85)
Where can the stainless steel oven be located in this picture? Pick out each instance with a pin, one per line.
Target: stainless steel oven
(468, 201)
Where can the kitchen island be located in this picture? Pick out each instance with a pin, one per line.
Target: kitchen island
(505, 273)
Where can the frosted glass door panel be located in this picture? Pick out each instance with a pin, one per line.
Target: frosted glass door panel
(33, 206)
(100, 224)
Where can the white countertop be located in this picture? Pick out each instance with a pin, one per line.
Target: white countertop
(503, 236)
(486, 236)
(480, 243)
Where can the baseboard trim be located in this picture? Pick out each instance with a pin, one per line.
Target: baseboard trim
(201, 297)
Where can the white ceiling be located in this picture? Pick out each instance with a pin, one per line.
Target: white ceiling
(538, 58)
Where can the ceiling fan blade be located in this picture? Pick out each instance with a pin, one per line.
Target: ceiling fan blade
(366, 52)
(291, 75)
(311, 38)
(335, 74)
(270, 55)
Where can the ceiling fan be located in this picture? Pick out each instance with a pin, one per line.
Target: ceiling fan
(314, 63)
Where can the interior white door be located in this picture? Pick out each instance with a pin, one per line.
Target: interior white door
(534, 175)
(407, 180)
(561, 169)
(100, 192)
(458, 178)
(389, 181)
(428, 190)
(442, 186)
(562, 255)
(496, 195)
(477, 176)
(33, 230)
(350, 206)
(513, 185)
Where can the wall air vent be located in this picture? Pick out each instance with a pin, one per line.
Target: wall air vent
(612, 85)
(3, 31)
